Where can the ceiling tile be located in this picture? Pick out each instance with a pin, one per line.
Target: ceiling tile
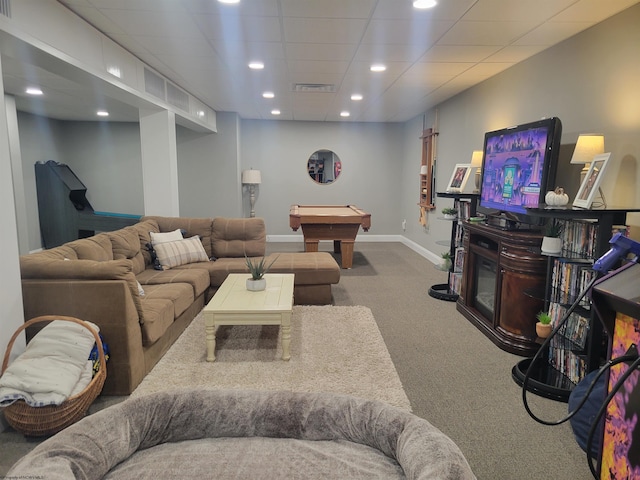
(515, 11)
(321, 30)
(328, 8)
(551, 33)
(320, 51)
(459, 53)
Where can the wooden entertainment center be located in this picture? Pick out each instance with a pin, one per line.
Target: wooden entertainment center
(507, 281)
(500, 267)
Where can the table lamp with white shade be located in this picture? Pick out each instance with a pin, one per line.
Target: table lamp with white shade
(588, 146)
(476, 162)
(251, 178)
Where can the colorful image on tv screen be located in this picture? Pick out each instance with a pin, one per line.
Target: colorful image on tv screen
(513, 170)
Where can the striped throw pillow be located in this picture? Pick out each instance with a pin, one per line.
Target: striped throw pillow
(180, 252)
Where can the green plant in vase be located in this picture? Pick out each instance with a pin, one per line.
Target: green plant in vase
(450, 213)
(446, 256)
(257, 268)
(543, 327)
(551, 242)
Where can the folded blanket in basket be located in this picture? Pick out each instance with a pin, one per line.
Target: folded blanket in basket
(52, 368)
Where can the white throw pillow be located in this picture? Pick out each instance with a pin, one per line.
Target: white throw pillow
(180, 252)
(163, 237)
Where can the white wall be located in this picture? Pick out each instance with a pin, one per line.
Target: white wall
(208, 170)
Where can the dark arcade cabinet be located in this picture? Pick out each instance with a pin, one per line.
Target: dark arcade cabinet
(65, 213)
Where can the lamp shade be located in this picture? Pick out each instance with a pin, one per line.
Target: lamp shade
(588, 146)
(251, 177)
(476, 158)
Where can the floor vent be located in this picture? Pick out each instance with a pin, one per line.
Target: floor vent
(314, 87)
(5, 8)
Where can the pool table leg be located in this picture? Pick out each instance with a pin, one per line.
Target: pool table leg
(336, 246)
(347, 253)
(311, 245)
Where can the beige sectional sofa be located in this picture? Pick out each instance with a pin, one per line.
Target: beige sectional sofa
(110, 279)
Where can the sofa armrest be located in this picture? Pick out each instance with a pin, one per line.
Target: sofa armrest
(108, 304)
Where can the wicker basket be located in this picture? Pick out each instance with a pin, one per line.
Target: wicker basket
(44, 421)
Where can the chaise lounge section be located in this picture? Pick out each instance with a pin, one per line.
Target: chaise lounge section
(109, 279)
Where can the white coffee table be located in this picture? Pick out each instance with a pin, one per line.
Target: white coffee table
(233, 304)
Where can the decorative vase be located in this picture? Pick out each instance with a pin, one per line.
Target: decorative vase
(256, 285)
(448, 216)
(551, 245)
(543, 330)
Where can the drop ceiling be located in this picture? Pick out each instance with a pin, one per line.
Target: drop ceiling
(205, 46)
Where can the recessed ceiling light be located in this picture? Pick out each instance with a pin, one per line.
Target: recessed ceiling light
(33, 91)
(345, 114)
(378, 67)
(102, 113)
(356, 97)
(229, 1)
(424, 3)
(256, 65)
(268, 94)
(275, 111)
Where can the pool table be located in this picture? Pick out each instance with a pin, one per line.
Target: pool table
(339, 223)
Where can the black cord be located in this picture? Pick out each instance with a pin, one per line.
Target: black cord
(603, 408)
(542, 349)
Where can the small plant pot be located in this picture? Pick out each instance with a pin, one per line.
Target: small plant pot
(256, 285)
(543, 330)
(551, 245)
(449, 216)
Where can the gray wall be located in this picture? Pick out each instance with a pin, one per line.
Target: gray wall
(371, 156)
(590, 81)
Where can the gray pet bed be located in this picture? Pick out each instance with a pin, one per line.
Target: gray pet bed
(237, 434)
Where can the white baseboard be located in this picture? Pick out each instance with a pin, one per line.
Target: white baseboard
(432, 257)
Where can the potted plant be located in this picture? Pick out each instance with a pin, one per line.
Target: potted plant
(551, 242)
(450, 213)
(446, 266)
(543, 327)
(257, 268)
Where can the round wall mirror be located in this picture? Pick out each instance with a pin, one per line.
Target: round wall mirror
(324, 166)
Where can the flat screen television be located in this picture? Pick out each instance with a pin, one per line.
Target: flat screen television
(518, 167)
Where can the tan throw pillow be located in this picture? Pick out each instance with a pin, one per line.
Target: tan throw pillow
(163, 237)
(180, 252)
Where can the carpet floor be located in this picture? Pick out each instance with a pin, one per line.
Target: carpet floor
(333, 349)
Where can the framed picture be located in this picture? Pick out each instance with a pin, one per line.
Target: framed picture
(591, 183)
(459, 178)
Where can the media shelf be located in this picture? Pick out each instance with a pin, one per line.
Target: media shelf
(581, 346)
(466, 204)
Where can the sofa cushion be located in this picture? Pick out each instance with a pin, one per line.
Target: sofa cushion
(126, 244)
(144, 230)
(311, 268)
(97, 248)
(198, 278)
(162, 237)
(180, 294)
(158, 314)
(237, 237)
(180, 252)
(222, 267)
(191, 226)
